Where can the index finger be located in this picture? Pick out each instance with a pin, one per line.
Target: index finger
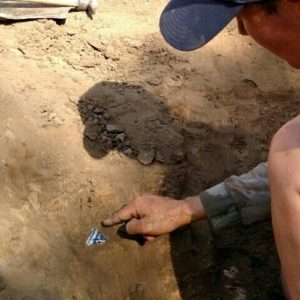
(126, 213)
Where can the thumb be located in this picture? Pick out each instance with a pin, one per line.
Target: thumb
(138, 226)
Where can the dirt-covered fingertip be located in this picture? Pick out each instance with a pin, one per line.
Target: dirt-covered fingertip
(106, 223)
(149, 237)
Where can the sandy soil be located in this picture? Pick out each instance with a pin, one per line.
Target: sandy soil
(82, 105)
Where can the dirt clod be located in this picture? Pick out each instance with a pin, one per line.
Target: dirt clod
(113, 128)
(120, 137)
(128, 151)
(146, 157)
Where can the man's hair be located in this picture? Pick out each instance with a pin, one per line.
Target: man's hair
(270, 6)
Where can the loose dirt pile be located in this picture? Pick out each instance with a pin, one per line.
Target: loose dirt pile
(95, 112)
(112, 121)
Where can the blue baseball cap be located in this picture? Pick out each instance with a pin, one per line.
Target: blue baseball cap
(189, 24)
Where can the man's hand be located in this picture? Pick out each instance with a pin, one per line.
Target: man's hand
(151, 216)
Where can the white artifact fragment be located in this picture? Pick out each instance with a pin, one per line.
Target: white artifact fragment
(96, 238)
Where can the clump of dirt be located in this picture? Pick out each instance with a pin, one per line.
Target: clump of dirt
(127, 118)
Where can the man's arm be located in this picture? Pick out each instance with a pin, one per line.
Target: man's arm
(238, 200)
(242, 199)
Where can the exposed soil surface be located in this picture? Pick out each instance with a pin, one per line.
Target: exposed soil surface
(96, 112)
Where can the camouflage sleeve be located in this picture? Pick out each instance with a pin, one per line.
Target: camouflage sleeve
(239, 199)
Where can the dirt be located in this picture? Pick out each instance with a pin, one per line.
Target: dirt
(96, 112)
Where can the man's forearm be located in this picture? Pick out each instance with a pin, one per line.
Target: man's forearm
(238, 200)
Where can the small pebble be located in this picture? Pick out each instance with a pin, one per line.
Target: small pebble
(159, 157)
(231, 273)
(91, 133)
(146, 157)
(128, 152)
(154, 81)
(102, 120)
(179, 156)
(113, 128)
(120, 137)
(90, 107)
(106, 116)
(99, 111)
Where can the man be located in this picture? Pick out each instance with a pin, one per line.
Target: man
(190, 24)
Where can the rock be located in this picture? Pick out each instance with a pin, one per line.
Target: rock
(99, 111)
(128, 151)
(134, 43)
(91, 132)
(178, 156)
(102, 120)
(106, 116)
(120, 137)
(231, 272)
(159, 157)
(112, 53)
(155, 81)
(96, 45)
(107, 143)
(89, 62)
(113, 128)
(146, 157)
(90, 135)
(238, 293)
(70, 32)
(176, 77)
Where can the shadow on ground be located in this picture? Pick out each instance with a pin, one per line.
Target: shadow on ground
(129, 119)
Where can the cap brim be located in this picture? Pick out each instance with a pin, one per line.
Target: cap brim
(189, 24)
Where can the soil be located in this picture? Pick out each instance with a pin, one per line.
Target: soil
(96, 112)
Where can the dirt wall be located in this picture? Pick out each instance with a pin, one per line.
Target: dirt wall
(202, 116)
